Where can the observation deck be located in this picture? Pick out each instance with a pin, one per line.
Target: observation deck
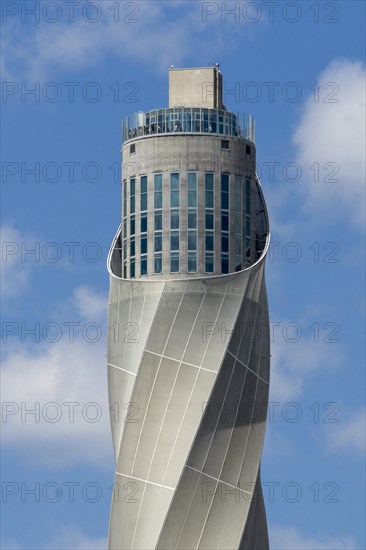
(188, 120)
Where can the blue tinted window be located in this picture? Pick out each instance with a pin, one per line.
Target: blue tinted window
(143, 202)
(158, 264)
(158, 182)
(225, 243)
(174, 263)
(158, 223)
(192, 263)
(209, 267)
(209, 242)
(225, 222)
(192, 220)
(174, 219)
(143, 184)
(158, 243)
(143, 223)
(209, 221)
(132, 205)
(143, 266)
(143, 245)
(174, 190)
(174, 241)
(192, 241)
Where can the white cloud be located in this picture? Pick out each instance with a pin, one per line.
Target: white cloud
(46, 376)
(349, 434)
(44, 380)
(14, 268)
(332, 130)
(72, 538)
(89, 304)
(290, 538)
(159, 37)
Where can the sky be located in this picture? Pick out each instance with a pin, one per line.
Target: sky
(70, 72)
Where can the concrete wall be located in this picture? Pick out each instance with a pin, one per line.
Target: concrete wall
(183, 153)
(195, 88)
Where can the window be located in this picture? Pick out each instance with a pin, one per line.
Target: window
(247, 216)
(174, 262)
(143, 244)
(143, 267)
(192, 222)
(209, 242)
(132, 148)
(174, 222)
(238, 223)
(209, 263)
(132, 226)
(192, 190)
(158, 191)
(209, 195)
(225, 223)
(143, 193)
(124, 189)
(132, 247)
(158, 243)
(209, 223)
(225, 263)
(225, 144)
(143, 223)
(158, 263)
(192, 262)
(192, 219)
(132, 269)
(132, 195)
(192, 240)
(174, 241)
(248, 149)
(209, 220)
(158, 223)
(174, 219)
(174, 190)
(125, 198)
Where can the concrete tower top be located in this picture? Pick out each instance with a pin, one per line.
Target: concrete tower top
(196, 87)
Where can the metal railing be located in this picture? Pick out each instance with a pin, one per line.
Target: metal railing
(188, 120)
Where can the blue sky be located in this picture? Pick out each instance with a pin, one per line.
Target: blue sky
(298, 67)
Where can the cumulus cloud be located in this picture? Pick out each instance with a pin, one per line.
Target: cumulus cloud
(63, 379)
(65, 385)
(14, 268)
(290, 538)
(330, 144)
(89, 304)
(148, 31)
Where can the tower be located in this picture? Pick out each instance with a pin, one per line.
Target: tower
(188, 349)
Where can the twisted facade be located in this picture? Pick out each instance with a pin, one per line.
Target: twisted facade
(188, 350)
